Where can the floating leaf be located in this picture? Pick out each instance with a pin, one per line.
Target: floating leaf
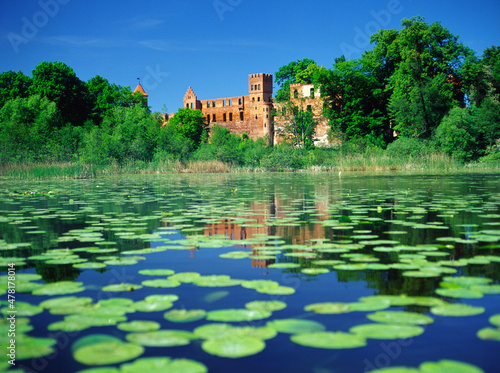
(233, 347)
(184, 315)
(161, 283)
(387, 331)
(263, 305)
(163, 364)
(329, 340)
(400, 317)
(295, 326)
(237, 315)
(489, 334)
(456, 310)
(121, 287)
(161, 338)
(156, 272)
(328, 308)
(448, 366)
(459, 293)
(104, 353)
(139, 326)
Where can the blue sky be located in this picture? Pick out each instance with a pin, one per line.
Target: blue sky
(213, 45)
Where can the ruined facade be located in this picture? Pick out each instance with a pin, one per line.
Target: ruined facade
(256, 114)
(250, 114)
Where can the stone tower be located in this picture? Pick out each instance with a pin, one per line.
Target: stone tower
(144, 96)
(260, 88)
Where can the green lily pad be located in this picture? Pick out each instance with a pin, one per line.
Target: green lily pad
(296, 326)
(163, 364)
(265, 305)
(328, 308)
(489, 334)
(161, 283)
(23, 309)
(161, 338)
(156, 272)
(59, 288)
(329, 340)
(236, 255)
(233, 347)
(185, 276)
(448, 366)
(467, 281)
(284, 265)
(459, 292)
(139, 326)
(65, 302)
(216, 281)
(387, 331)
(121, 287)
(152, 305)
(456, 310)
(237, 315)
(495, 320)
(182, 315)
(400, 317)
(162, 297)
(105, 353)
(277, 290)
(89, 265)
(29, 347)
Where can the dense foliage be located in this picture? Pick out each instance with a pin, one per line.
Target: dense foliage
(418, 91)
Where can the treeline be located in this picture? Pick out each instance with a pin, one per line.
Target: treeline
(418, 83)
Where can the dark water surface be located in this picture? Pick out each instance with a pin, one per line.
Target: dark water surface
(376, 228)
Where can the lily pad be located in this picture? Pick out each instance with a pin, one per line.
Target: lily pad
(233, 347)
(60, 288)
(456, 310)
(161, 338)
(105, 353)
(387, 331)
(489, 334)
(495, 320)
(459, 292)
(400, 317)
(328, 308)
(182, 315)
(448, 366)
(163, 364)
(156, 272)
(237, 315)
(263, 305)
(296, 326)
(329, 340)
(139, 326)
(161, 283)
(121, 287)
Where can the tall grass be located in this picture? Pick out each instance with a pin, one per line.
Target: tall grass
(333, 161)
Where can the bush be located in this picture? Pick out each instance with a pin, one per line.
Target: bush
(283, 157)
(408, 146)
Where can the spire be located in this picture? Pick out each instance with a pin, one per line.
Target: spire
(140, 89)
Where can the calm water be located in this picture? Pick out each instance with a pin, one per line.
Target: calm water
(372, 230)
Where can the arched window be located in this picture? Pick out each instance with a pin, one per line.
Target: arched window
(224, 117)
(230, 117)
(295, 93)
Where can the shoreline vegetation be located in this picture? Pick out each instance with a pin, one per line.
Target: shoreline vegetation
(344, 163)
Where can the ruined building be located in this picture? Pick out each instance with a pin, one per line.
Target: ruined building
(251, 114)
(256, 114)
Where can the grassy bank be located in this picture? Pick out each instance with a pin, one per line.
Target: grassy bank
(354, 162)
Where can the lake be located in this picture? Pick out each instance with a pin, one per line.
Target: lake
(291, 272)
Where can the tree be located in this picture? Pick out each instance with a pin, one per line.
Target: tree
(299, 124)
(13, 85)
(287, 75)
(26, 128)
(352, 102)
(412, 63)
(190, 124)
(105, 96)
(59, 83)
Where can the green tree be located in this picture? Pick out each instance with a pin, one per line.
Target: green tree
(105, 96)
(352, 102)
(456, 135)
(13, 85)
(411, 64)
(299, 124)
(190, 124)
(287, 75)
(26, 127)
(59, 83)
